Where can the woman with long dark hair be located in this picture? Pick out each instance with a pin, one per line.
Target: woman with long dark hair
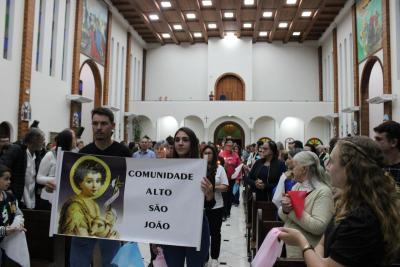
(265, 173)
(365, 230)
(186, 145)
(215, 214)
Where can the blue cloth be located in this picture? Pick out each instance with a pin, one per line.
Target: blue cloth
(289, 183)
(148, 154)
(82, 251)
(175, 256)
(235, 188)
(128, 256)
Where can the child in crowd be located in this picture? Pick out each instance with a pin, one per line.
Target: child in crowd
(11, 217)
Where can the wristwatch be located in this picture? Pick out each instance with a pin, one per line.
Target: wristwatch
(307, 247)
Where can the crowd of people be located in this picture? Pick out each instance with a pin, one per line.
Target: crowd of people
(351, 213)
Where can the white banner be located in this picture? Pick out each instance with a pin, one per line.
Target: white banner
(144, 200)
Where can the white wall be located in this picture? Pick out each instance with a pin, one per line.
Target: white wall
(263, 67)
(327, 69)
(292, 127)
(375, 89)
(395, 53)
(88, 90)
(285, 72)
(230, 55)
(116, 95)
(136, 74)
(319, 127)
(264, 127)
(166, 126)
(10, 68)
(345, 72)
(196, 124)
(48, 92)
(178, 72)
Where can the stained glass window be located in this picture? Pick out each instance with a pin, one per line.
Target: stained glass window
(7, 30)
(39, 34)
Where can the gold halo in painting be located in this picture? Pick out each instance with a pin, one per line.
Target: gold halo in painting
(82, 159)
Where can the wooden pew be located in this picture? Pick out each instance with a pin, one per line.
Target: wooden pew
(285, 262)
(42, 248)
(249, 208)
(263, 228)
(268, 214)
(37, 224)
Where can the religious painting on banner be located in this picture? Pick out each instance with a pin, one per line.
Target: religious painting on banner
(369, 27)
(94, 30)
(129, 199)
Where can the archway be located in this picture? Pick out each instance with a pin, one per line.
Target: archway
(292, 128)
(264, 126)
(369, 77)
(229, 86)
(5, 130)
(166, 126)
(231, 129)
(320, 128)
(91, 87)
(97, 80)
(196, 124)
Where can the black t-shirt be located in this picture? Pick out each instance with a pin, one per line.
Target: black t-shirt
(394, 171)
(115, 149)
(356, 241)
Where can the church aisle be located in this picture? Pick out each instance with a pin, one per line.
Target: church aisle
(233, 241)
(233, 245)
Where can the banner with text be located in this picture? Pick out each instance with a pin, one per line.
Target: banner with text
(144, 200)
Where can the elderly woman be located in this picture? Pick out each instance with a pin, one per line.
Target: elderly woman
(318, 206)
(286, 181)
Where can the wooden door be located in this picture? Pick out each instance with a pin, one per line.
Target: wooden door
(230, 88)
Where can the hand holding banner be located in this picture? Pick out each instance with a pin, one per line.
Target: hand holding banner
(153, 201)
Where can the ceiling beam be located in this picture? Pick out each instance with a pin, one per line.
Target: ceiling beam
(155, 3)
(219, 18)
(181, 17)
(239, 17)
(146, 21)
(314, 19)
(257, 21)
(292, 24)
(201, 20)
(276, 21)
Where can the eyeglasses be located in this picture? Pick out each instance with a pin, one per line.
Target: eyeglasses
(183, 139)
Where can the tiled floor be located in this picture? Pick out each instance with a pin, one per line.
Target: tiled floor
(233, 244)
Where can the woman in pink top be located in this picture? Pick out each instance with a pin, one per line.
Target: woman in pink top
(231, 160)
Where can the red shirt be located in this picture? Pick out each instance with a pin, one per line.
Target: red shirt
(231, 161)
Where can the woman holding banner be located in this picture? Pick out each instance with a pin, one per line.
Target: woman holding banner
(186, 145)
